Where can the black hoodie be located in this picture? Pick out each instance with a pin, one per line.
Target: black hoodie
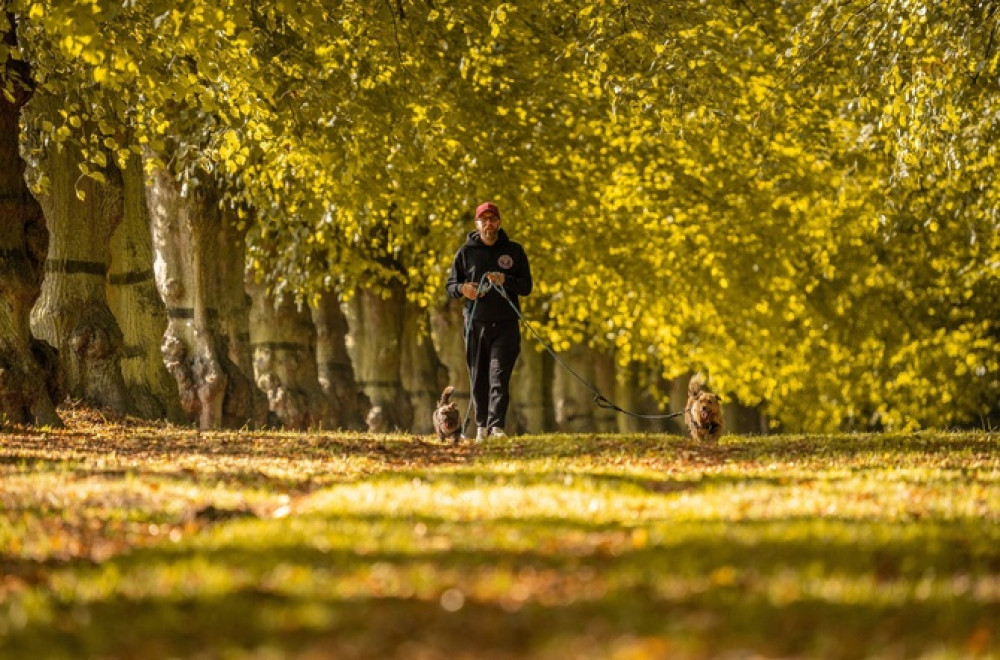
(474, 259)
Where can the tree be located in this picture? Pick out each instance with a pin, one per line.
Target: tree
(919, 117)
(137, 306)
(26, 395)
(72, 313)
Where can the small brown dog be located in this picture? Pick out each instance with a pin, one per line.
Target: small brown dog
(447, 418)
(703, 412)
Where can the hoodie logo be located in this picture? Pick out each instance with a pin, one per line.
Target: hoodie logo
(505, 261)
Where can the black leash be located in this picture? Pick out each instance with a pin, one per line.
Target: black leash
(599, 399)
(483, 286)
(475, 365)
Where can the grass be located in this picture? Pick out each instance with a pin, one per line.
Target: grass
(122, 540)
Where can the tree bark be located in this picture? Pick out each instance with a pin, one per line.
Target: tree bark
(447, 334)
(574, 410)
(375, 343)
(738, 418)
(630, 396)
(677, 390)
(214, 393)
(133, 298)
(345, 400)
(234, 319)
(284, 355)
(605, 419)
(72, 313)
(27, 386)
(531, 396)
(424, 375)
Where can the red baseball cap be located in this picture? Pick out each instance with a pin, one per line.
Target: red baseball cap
(487, 207)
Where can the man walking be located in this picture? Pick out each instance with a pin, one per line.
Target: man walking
(492, 334)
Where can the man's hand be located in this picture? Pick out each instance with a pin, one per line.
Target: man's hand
(496, 278)
(469, 290)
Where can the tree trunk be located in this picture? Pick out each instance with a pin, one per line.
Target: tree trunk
(447, 333)
(234, 319)
(27, 387)
(214, 393)
(133, 298)
(345, 400)
(574, 407)
(375, 343)
(531, 395)
(678, 392)
(72, 313)
(628, 395)
(424, 375)
(284, 356)
(605, 419)
(737, 418)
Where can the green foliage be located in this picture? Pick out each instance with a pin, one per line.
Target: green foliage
(130, 540)
(799, 199)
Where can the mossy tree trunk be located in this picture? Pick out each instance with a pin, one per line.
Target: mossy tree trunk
(27, 386)
(375, 344)
(345, 400)
(133, 298)
(284, 356)
(72, 313)
(424, 375)
(214, 393)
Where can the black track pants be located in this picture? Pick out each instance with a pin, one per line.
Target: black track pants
(491, 350)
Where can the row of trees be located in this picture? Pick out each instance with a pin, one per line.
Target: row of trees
(798, 199)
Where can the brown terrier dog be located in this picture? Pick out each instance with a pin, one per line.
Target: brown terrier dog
(703, 413)
(447, 418)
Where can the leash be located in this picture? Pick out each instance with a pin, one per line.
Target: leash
(599, 399)
(481, 289)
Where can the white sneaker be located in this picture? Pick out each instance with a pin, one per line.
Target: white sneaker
(497, 432)
(481, 433)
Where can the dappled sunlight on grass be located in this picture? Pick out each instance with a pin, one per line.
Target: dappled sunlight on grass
(129, 541)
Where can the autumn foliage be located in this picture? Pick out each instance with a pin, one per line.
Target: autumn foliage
(798, 198)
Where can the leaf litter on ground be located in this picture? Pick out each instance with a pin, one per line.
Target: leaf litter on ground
(616, 545)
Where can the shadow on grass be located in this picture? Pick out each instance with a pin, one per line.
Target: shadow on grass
(147, 445)
(449, 622)
(742, 447)
(880, 549)
(437, 464)
(706, 589)
(688, 587)
(464, 474)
